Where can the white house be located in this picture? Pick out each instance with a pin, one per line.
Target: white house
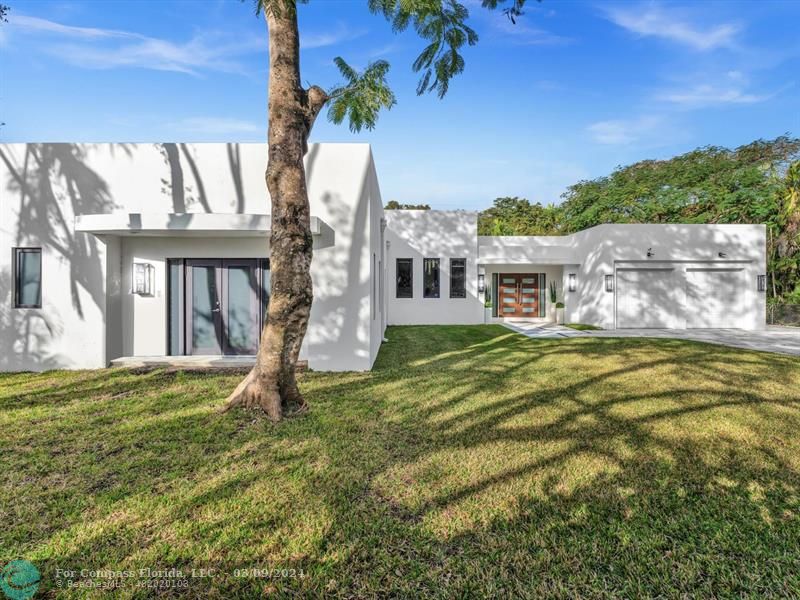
(151, 250)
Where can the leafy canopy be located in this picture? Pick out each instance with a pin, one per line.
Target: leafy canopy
(395, 205)
(755, 183)
(362, 96)
(440, 23)
(518, 216)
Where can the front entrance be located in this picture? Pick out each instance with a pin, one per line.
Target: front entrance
(519, 295)
(217, 306)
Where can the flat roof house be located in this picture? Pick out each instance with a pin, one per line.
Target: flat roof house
(151, 250)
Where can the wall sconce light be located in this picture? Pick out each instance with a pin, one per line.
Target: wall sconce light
(762, 283)
(142, 283)
(722, 255)
(609, 283)
(571, 284)
(650, 253)
(481, 283)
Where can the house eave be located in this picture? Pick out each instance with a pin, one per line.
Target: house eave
(182, 224)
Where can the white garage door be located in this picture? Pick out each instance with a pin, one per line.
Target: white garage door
(714, 298)
(646, 298)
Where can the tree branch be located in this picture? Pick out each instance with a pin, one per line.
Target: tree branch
(317, 98)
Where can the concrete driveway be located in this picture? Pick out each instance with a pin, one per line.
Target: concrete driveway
(782, 340)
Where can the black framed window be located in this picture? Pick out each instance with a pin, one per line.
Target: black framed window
(405, 277)
(175, 300)
(458, 277)
(430, 278)
(27, 277)
(266, 288)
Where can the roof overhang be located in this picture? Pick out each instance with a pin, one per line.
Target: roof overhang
(540, 260)
(183, 224)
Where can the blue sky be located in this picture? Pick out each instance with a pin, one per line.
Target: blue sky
(568, 93)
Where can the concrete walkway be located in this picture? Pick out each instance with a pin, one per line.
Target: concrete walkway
(782, 340)
(185, 362)
(546, 330)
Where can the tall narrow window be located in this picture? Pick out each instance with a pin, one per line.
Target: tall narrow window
(458, 277)
(430, 278)
(27, 277)
(263, 265)
(405, 278)
(175, 299)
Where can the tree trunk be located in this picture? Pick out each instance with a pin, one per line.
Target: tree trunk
(271, 384)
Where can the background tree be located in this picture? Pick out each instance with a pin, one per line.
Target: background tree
(517, 216)
(785, 256)
(292, 111)
(395, 205)
(755, 183)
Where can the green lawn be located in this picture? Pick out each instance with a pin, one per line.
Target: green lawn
(583, 327)
(471, 462)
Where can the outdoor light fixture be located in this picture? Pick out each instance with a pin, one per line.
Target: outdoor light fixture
(762, 283)
(609, 283)
(571, 285)
(722, 255)
(650, 253)
(481, 283)
(142, 283)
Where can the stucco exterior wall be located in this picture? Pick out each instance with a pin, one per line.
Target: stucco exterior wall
(89, 315)
(606, 248)
(419, 234)
(377, 260)
(40, 194)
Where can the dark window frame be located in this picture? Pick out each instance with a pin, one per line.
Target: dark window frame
(438, 272)
(176, 346)
(410, 289)
(17, 252)
(179, 345)
(462, 264)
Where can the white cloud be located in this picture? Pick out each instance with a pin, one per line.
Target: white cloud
(709, 95)
(521, 33)
(218, 125)
(328, 38)
(652, 20)
(26, 23)
(94, 48)
(624, 131)
(198, 54)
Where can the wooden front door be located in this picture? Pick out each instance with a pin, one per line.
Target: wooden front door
(518, 295)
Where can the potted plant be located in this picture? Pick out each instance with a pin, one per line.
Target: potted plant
(551, 310)
(487, 306)
(560, 313)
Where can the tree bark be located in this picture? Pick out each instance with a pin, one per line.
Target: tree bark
(272, 385)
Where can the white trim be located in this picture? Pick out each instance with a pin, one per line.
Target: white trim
(181, 224)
